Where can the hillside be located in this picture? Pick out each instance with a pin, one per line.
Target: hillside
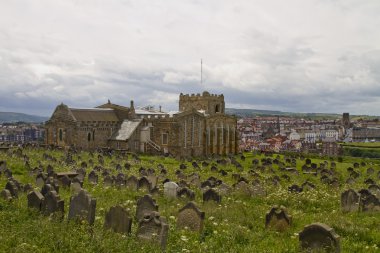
(315, 116)
(10, 117)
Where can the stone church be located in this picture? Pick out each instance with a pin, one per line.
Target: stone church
(199, 128)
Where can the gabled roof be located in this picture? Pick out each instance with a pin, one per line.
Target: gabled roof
(95, 114)
(127, 128)
(113, 106)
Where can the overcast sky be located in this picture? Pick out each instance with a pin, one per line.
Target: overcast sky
(293, 55)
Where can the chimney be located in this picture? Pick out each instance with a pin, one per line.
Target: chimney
(160, 108)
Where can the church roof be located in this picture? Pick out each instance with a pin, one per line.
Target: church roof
(94, 114)
(127, 128)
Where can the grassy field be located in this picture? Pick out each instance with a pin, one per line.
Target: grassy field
(237, 224)
(362, 144)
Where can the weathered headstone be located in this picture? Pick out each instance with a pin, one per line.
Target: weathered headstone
(190, 216)
(185, 192)
(349, 201)
(35, 200)
(6, 195)
(132, 183)
(153, 228)
(170, 190)
(368, 201)
(52, 203)
(93, 177)
(145, 205)
(118, 219)
(12, 188)
(144, 184)
(82, 207)
(211, 195)
(278, 219)
(319, 237)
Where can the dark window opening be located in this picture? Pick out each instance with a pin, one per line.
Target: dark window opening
(217, 109)
(164, 139)
(60, 135)
(89, 136)
(93, 135)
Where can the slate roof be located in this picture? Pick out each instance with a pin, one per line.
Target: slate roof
(127, 128)
(94, 114)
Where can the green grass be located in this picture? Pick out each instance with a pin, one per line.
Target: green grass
(235, 225)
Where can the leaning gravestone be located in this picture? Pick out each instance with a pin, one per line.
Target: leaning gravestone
(190, 216)
(319, 237)
(35, 200)
(52, 203)
(145, 205)
(118, 219)
(349, 201)
(170, 190)
(153, 228)
(278, 219)
(82, 207)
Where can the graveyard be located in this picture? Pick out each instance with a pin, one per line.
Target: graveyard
(55, 200)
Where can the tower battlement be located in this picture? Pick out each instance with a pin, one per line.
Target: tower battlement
(210, 103)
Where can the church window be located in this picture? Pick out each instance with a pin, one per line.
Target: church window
(89, 137)
(165, 139)
(60, 135)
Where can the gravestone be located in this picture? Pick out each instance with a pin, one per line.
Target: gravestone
(6, 195)
(170, 189)
(132, 183)
(76, 186)
(93, 178)
(349, 201)
(368, 202)
(40, 180)
(278, 219)
(52, 203)
(242, 187)
(191, 217)
(108, 180)
(28, 187)
(118, 220)
(145, 205)
(35, 200)
(12, 188)
(144, 184)
(82, 207)
(65, 181)
(319, 237)
(185, 192)
(375, 190)
(211, 195)
(153, 228)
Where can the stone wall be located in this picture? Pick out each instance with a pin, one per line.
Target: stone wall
(208, 102)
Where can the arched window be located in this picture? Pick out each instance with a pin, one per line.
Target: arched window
(89, 136)
(60, 135)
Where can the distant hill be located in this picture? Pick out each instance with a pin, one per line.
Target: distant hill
(252, 113)
(11, 117)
